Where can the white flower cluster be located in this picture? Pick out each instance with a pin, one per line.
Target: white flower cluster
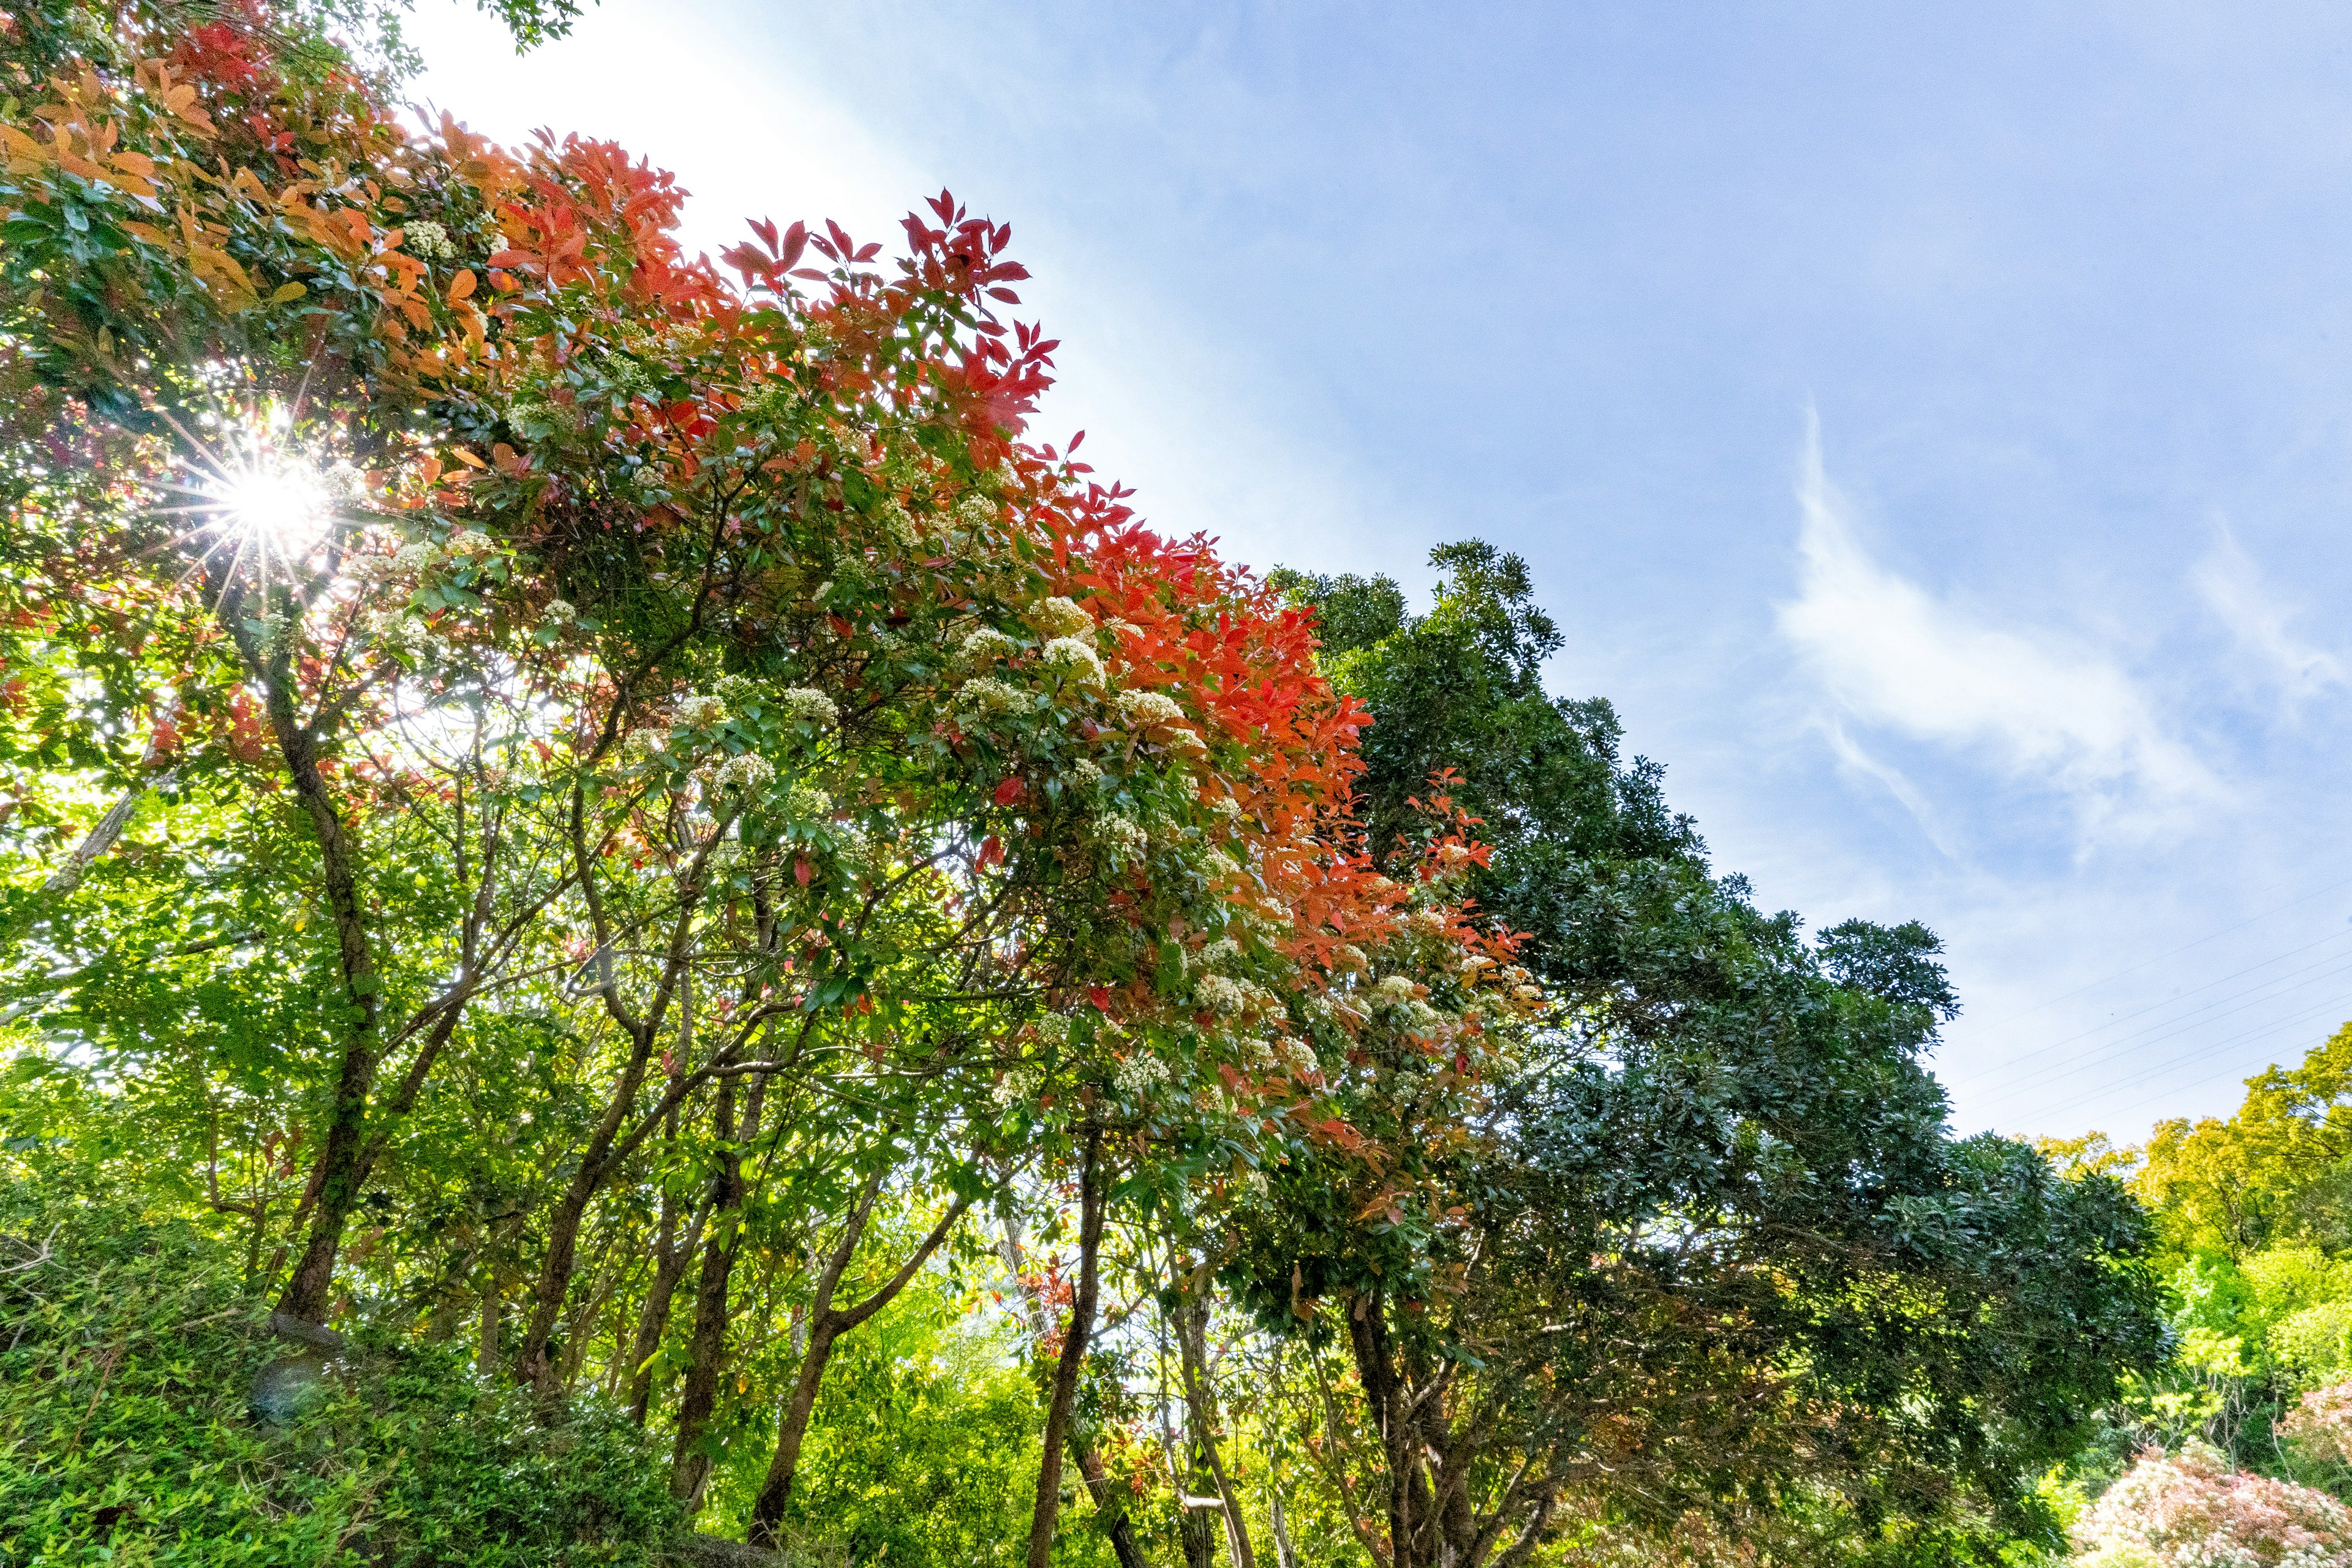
(988, 697)
(1218, 994)
(1147, 708)
(427, 240)
(418, 557)
(559, 613)
(1224, 950)
(1061, 617)
(469, 544)
(1088, 774)
(1020, 1084)
(749, 772)
(1347, 955)
(401, 634)
(1139, 1073)
(977, 512)
(1124, 839)
(344, 484)
(1226, 805)
(985, 643)
(1431, 919)
(700, 711)
(1394, 991)
(1053, 1028)
(805, 800)
(807, 705)
(1076, 655)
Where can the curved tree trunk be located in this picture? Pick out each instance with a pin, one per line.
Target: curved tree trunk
(1042, 1517)
(827, 1323)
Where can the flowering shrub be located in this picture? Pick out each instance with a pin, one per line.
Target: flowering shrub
(2191, 1511)
(2320, 1425)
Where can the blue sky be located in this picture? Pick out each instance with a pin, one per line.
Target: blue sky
(1931, 426)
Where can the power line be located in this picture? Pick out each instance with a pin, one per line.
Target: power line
(2173, 1027)
(1983, 1073)
(2184, 947)
(2337, 1006)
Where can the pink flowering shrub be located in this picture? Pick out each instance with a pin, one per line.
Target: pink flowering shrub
(2320, 1425)
(2191, 1511)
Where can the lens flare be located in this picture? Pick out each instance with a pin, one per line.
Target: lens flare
(281, 504)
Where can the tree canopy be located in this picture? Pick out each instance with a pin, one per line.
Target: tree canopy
(611, 836)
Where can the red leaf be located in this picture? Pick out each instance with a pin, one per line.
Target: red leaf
(801, 871)
(992, 850)
(1099, 997)
(1009, 791)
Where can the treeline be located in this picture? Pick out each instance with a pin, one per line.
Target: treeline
(614, 879)
(2247, 1430)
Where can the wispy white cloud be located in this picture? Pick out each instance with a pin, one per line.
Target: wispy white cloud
(2043, 710)
(2262, 621)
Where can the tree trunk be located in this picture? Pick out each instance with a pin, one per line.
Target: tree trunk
(1193, 1352)
(671, 1255)
(531, 1364)
(689, 1467)
(826, 1324)
(1042, 1518)
(1108, 1506)
(1108, 1503)
(309, 1289)
(1367, 1337)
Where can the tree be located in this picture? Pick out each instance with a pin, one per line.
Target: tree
(1724, 1162)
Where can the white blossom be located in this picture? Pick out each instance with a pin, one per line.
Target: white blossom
(1138, 1073)
(559, 613)
(988, 697)
(749, 772)
(1218, 994)
(1124, 839)
(809, 706)
(1147, 708)
(415, 558)
(1020, 1084)
(1088, 774)
(1393, 990)
(986, 643)
(427, 239)
(1061, 617)
(1074, 655)
(700, 711)
(1224, 950)
(469, 543)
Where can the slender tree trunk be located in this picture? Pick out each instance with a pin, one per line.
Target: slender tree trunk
(689, 1467)
(1193, 1352)
(1285, 1556)
(1108, 1502)
(531, 1364)
(827, 1323)
(1044, 1516)
(486, 1341)
(671, 1254)
(308, 1290)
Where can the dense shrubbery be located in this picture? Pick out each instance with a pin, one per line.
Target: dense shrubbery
(131, 1349)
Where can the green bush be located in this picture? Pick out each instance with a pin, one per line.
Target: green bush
(127, 1348)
